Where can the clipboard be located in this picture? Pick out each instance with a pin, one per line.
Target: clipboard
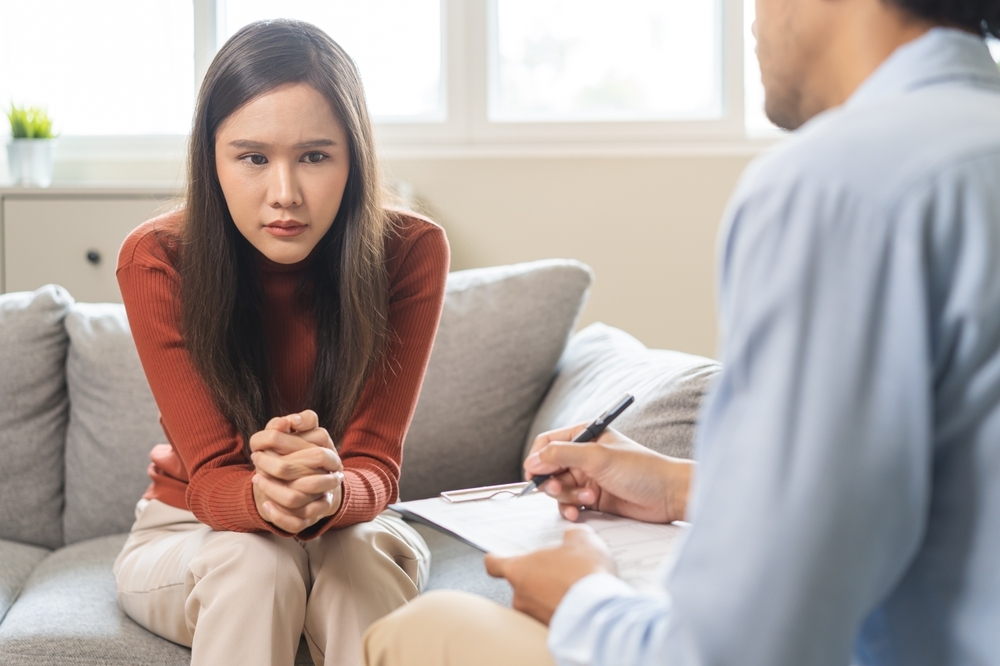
(484, 492)
(493, 519)
(462, 496)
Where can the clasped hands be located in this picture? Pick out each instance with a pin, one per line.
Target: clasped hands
(298, 478)
(612, 474)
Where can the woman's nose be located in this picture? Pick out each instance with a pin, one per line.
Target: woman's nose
(284, 187)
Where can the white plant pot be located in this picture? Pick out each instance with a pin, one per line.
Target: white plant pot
(31, 161)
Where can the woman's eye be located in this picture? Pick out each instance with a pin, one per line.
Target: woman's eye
(313, 158)
(255, 159)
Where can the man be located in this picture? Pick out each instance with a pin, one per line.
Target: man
(847, 500)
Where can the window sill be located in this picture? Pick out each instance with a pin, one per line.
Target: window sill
(557, 150)
(159, 162)
(97, 189)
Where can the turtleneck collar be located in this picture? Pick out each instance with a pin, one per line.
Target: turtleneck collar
(269, 266)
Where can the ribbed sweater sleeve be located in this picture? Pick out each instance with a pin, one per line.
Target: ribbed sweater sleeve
(213, 475)
(218, 490)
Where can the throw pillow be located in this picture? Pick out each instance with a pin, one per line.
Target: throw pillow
(33, 414)
(502, 332)
(601, 363)
(113, 423)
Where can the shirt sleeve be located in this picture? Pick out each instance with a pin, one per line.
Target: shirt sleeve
(815, 449)
(371, 448)
(603, 620)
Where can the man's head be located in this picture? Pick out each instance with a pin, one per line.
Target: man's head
(814, 53)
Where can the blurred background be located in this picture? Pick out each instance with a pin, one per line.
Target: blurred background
(608, 131)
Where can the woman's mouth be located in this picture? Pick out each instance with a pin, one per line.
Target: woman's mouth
(285, 228)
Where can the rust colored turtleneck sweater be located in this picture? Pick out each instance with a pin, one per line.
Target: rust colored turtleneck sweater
(203, 468)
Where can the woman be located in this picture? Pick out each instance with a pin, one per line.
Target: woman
(284, 320)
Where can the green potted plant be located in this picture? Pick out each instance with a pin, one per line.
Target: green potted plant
(32, 147)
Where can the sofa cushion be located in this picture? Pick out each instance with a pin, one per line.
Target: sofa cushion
(501, 334)
(68, 613)
(33, 414)
(113, 423)
(16, 563)
(601, 363)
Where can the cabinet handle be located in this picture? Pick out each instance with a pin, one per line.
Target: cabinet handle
(94, 257)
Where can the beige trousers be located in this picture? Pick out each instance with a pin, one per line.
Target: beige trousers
(237, 598)
(448, 628)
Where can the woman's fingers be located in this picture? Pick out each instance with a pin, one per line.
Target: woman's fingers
(317, 436)
(303, 421)
(296, 520)
(273, 439)
(296, 465)
(281, 440)
(286, 442)
(299, 422)
(299, 493)
(280, 494)
(316, 484)
(279, 423)
(291, 521)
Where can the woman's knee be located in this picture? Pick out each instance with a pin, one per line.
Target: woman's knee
(379, 544)
(253, 563)
(165, 583)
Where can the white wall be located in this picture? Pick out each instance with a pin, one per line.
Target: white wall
(647, 225)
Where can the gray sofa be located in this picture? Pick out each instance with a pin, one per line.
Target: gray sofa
(77, 421)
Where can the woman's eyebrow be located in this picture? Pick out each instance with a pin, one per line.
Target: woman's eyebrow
(244, 144)
(248, 145)
(316, 143)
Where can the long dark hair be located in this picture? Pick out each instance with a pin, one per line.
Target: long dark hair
(220, 283)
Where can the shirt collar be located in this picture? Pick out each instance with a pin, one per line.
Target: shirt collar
(941, 55)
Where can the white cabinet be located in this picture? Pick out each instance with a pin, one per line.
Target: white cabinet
(71, 237)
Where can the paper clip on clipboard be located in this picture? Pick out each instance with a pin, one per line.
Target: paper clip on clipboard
(484, 492)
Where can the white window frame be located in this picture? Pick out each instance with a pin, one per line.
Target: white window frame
(467, 130)
(467, 30)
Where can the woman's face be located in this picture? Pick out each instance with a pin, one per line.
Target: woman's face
(283, 162)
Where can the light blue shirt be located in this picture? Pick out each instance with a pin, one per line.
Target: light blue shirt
(847, 505)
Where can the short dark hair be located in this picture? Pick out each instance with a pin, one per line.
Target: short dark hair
(981, 16)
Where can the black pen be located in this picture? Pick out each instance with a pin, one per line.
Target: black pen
(588, 434)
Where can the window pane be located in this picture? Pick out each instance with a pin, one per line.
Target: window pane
(102, 67)
(596, 60)
(395, 43)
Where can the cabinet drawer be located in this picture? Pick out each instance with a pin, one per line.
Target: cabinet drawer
(69, 242)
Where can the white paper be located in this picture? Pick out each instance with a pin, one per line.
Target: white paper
(508, 526)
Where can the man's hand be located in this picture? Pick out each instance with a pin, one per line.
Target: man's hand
(611, 474)
(299, 475)
(541, 579)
